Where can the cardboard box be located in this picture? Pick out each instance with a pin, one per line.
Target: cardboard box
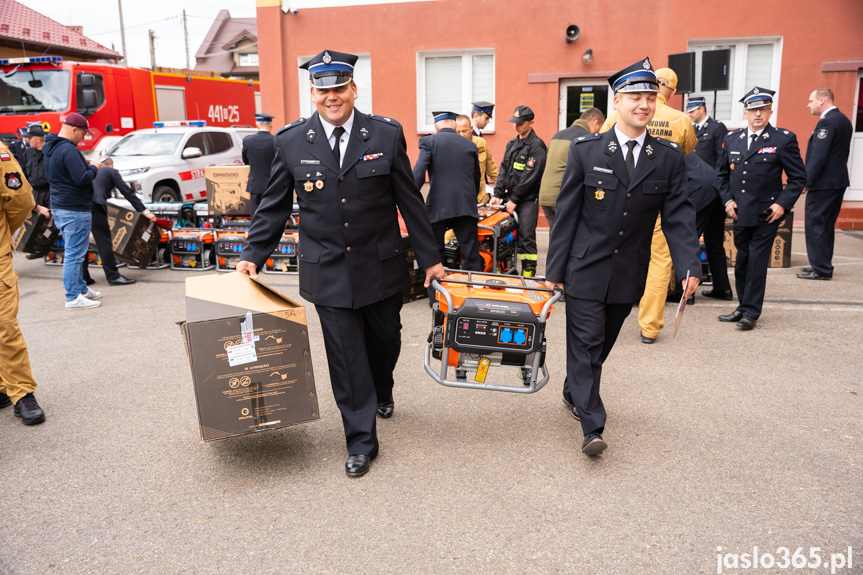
(244, 386)
(226, 190)
(37, 235)
(781, 255)
(134, 237)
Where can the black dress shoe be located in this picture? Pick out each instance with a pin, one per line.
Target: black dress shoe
(29, 411)
(732, 317)
(4, 400)
(806, 270)
(593, 444)
(719, 294)
(813, 275)
(571, 408)
(89, 281)
(385, 409)
(746, 323)
(122, 281)
(34, 257)
(358, 465)
(645, 339)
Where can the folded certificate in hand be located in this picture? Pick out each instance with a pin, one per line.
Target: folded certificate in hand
(679, 315)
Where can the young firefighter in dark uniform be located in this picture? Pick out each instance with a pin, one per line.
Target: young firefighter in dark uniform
(518, 184)
(614, 186)
(454, 176)
(350, 172)
(750, 183)
(258, 153)
(711, 217)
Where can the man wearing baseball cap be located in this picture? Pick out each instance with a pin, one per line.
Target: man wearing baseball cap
(518, 183)
(70, 178)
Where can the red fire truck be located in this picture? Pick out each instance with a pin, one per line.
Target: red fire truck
(115, 99)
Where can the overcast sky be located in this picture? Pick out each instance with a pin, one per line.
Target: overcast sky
(101, 22)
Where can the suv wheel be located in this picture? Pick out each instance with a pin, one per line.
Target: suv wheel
(165, 194)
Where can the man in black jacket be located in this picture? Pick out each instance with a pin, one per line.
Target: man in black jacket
(33, 165)
(452, 163)
(750, 183)
(71, 179)
(614, 187)
(106, 180)
(351, 176)
(258, 153)
(518, 184)
(826, 180)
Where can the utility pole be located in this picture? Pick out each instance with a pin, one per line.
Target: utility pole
(152, 49)
(186, 34)
(123, 32)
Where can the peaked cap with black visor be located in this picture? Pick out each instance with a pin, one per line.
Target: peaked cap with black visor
(330, 69)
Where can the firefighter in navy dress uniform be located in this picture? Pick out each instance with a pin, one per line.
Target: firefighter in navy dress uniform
(614, 186)
(258, 153)
(750, 183)
(350, 173)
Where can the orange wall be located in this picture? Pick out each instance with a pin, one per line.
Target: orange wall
(528, 38)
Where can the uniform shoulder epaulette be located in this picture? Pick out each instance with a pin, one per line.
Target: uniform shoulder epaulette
(293, 124)
(385, 120)
(735, 131)
(784, 131)
(670, 144)
(588, 138)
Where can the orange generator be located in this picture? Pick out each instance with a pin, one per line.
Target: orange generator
(193, 250)
(484, 320)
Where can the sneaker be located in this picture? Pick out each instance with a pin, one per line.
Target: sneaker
(29, 411)
(81, 302)
(92, 294)
(4, 400)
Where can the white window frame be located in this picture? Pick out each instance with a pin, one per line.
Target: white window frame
(364, 87)
(251, 56)
(738, 79)
(466, 70)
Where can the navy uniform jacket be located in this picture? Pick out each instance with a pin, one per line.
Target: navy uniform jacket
(258, 153)
(106, 180)
(702, 181)
(601, 247)
(710, 137)
(351, 251)
(520, 172)
(827, 153)
(753, 177)
(452, 162)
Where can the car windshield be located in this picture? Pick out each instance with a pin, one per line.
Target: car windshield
(24, 91)
(146, 145)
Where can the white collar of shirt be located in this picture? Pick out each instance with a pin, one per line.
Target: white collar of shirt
(824, 113)
(623, 138)
(328, 128)
(749, 132)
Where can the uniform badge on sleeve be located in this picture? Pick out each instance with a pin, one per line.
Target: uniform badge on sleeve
(13, 180)
(599, 194)
(531, 162)
(5, 157)
(822, 133)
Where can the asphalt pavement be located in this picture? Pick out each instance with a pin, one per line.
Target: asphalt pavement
(717, 439)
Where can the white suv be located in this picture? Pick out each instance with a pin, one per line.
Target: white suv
(166, 163)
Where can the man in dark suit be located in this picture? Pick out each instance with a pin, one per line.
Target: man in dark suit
(103, 184)
(826, 180)
(351, 175)
(452, 164)
(614, 187)
(258, 153)
(711, 217)
(750, 183)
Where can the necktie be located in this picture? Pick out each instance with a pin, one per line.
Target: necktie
(337, 150)
(630, 158)
(751, 140)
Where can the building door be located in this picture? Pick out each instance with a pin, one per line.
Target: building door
(855, 161)
(576, 96)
